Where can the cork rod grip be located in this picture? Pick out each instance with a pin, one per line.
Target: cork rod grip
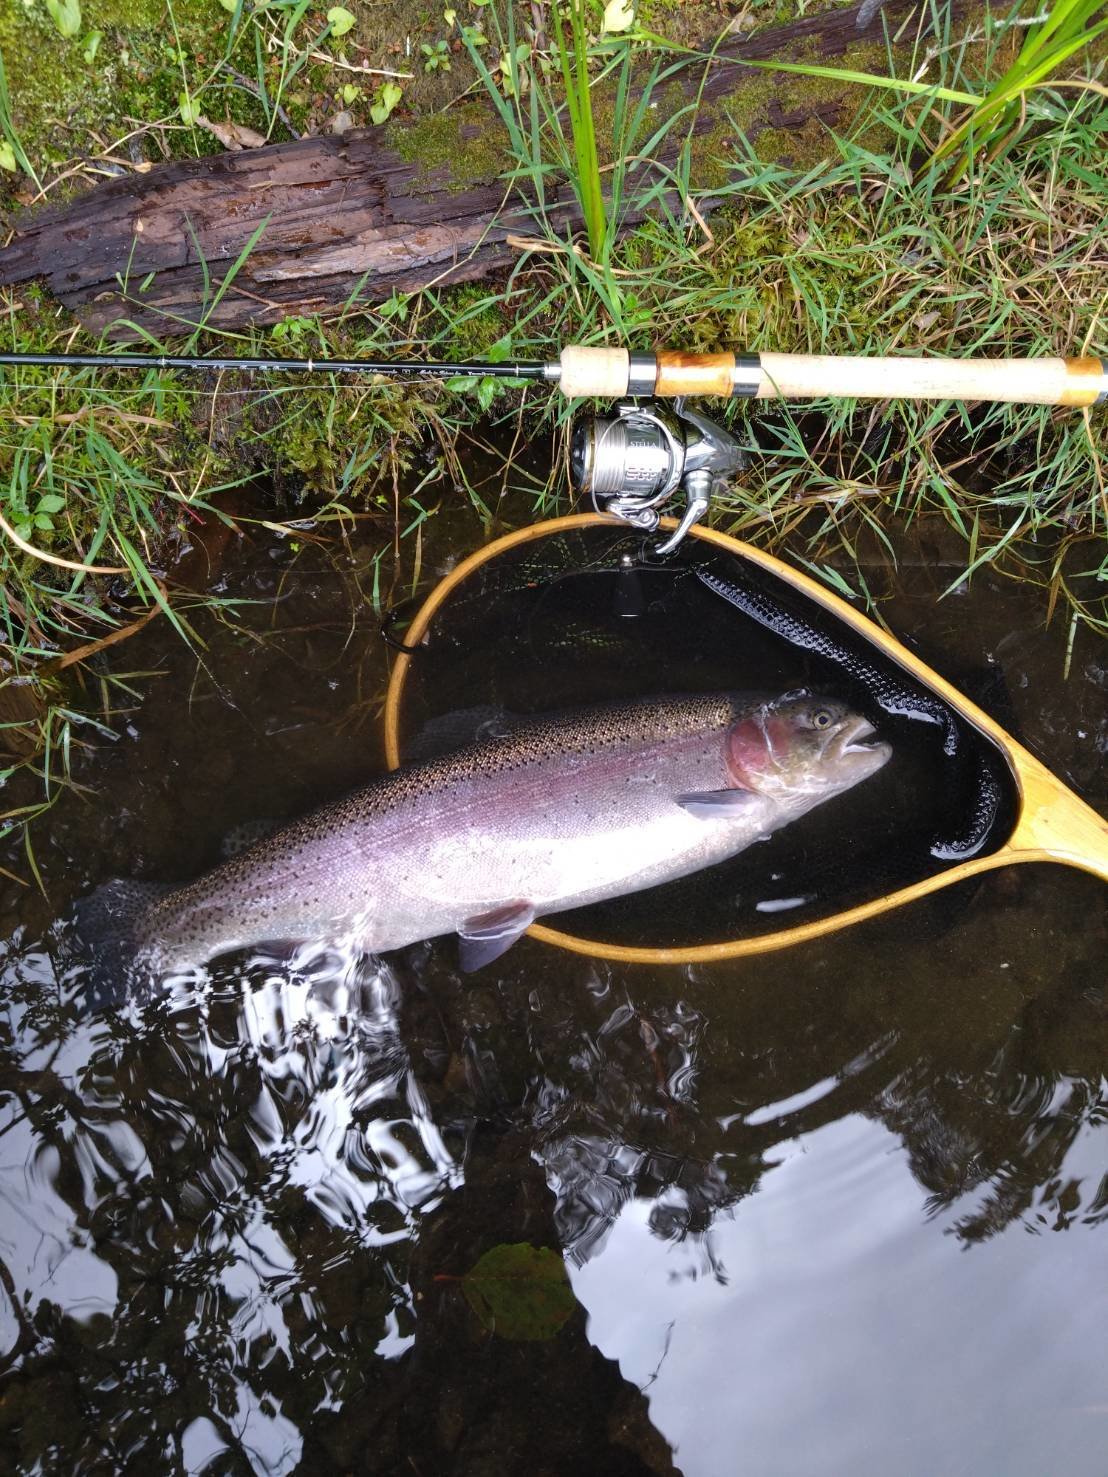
(1025, 381)
(611, 373)
(600, 372)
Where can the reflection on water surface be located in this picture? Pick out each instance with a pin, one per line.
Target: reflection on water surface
(835, 1210)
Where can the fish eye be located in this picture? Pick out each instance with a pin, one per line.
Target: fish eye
(821, 718)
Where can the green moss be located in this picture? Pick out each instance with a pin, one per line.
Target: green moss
(712, 155)
(477, 320)
(462, 146)
(796, 147)
(813, 278)
(61, 103)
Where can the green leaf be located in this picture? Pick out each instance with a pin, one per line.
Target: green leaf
(50, 502)
(351, 92)
(520, 1292)
(7, 156)
(340, 20)
(42, 521)
(487, 387)
(66, 15)
(500, 351)
(189, 108)
(384, 100)
(92, 46)
(866, 79)
(394, 306)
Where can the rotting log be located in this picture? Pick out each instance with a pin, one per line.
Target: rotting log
(361, 216)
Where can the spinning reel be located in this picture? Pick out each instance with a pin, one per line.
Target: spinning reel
(632, 462)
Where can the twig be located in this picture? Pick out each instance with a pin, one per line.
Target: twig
(21, 543)
(90, 648)
(363, 70)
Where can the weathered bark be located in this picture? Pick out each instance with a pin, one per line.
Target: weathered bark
(345, 216)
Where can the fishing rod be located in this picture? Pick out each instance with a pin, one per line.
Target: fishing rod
(634, 460)
(584, 372)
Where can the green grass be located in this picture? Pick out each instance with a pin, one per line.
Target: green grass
(573, 59)
(997, 116)
(1068, 30)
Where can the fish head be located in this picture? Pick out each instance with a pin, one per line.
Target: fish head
(803, 748)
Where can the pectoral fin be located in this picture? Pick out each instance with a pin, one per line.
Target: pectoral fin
(485, 937)
(718, 805)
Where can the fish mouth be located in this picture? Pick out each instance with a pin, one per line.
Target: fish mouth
(858, 736)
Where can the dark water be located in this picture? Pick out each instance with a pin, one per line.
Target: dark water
(840, 1209)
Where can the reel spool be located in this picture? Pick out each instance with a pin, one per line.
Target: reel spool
(632, 462)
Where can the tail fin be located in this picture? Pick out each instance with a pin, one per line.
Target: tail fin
(108, 927)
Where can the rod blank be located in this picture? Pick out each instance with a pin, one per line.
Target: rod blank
(614, 373)
(410, 368)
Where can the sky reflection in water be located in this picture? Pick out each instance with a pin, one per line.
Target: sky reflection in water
(838, 1331)
(254, 1163)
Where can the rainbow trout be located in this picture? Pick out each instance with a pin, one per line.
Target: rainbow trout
(561, 812)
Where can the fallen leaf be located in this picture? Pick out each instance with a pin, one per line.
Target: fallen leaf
(520, 1291)
(619, 15)
(234, 136)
